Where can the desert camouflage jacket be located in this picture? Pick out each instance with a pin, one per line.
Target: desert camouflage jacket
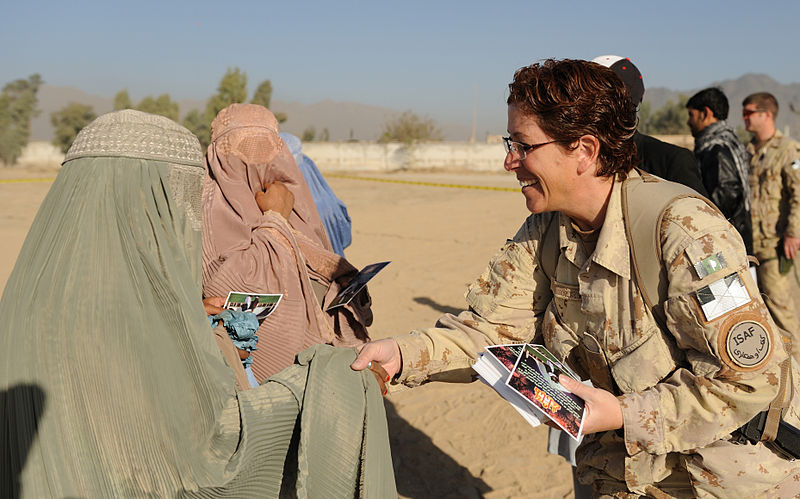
(775, 191)
(683, 390)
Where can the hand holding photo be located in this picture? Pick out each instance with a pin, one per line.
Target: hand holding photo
(355, 285)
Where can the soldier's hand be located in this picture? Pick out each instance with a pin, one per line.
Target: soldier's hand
(790, 246)
(382, 357)
(603, 411)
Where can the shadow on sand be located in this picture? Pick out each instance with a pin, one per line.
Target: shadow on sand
(424, 300)
(422, 470)
(21, 409)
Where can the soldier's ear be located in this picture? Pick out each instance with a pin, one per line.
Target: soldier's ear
(588, 150)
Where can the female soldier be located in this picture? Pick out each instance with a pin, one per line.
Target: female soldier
(667, 403)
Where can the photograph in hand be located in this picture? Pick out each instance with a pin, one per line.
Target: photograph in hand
(535, 377)
(262, 305)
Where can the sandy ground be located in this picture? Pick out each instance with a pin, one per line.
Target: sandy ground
(448, 440)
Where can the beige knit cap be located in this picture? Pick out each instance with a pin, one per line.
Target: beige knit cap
(134, 134)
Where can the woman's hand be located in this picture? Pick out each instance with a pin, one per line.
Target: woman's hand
(213, 304)
(276, 197)
(603, 411)
(382, 357)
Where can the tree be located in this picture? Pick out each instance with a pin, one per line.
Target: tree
(196, 123)
(17, 109)
(263, 96)
(410, 128)
(232, 89)
(669, 119)
(122, 100)
(643, 115)
(69, 121)
(309, 134)
(162, 105)
(325, 136)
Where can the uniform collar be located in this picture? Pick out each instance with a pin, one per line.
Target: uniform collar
(612, 250)
(773, 141)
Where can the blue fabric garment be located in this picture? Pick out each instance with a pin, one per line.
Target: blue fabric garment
(251, 378)
(331, 209)
(241, 327)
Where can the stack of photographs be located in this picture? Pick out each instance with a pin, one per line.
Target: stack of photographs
(526, 376)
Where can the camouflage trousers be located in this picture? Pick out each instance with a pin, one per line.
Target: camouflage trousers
(780, 291)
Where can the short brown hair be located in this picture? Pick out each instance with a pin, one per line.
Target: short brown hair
(763, 100)
(572, 98)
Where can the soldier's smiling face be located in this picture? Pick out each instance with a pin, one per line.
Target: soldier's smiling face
(545, 172)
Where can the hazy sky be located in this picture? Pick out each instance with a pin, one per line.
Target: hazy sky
(430, 57)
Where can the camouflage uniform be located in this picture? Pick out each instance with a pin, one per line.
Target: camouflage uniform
(681, 394)
(775, 211)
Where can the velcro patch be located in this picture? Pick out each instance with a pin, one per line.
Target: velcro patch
(747, 345)
(710, 264)
(565, 291)
(722, 296)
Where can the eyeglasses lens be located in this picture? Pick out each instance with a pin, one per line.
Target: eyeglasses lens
(515, 148)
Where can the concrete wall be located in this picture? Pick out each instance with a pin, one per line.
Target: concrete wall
(460, 156)
(40, 153)
(369, 156)
(363, 156)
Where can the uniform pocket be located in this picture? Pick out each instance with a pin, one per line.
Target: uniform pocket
(645, 362)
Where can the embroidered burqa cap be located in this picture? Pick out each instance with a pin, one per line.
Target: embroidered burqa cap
(134, 134)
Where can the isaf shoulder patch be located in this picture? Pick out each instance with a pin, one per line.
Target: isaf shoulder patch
(745, 345)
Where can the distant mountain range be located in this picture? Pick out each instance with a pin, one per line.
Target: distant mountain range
(736, 90)
(346, 120)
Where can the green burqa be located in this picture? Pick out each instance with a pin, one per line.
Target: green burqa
(111, 382)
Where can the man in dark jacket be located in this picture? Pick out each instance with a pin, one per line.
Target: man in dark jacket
(722, 158)
(660, 158)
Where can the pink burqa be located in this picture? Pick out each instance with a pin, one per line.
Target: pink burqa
(247, 250)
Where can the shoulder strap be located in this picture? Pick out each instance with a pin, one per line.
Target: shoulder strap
(644, 201)
(548, 248)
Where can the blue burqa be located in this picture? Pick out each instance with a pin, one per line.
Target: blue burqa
(331, 209)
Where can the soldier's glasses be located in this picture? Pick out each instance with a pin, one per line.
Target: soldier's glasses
(748, 112)
(521, 149)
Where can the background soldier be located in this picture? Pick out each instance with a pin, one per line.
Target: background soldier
(775, 207)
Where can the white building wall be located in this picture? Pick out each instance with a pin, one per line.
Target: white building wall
(361, 156)
(40, 153)
(367, 156)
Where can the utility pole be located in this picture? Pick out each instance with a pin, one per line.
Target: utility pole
(474, 112)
